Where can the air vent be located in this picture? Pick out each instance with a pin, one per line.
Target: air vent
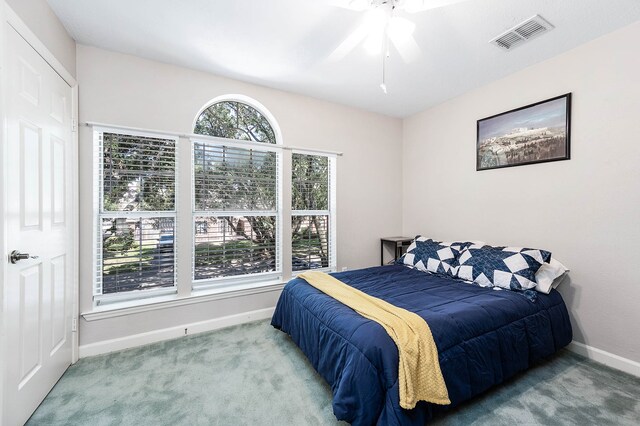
(522, 32)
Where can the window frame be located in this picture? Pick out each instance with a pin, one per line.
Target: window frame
(98, 297)
(331, 211)
(235, 281)
(185, 290)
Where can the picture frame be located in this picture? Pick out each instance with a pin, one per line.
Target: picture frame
(532, 134)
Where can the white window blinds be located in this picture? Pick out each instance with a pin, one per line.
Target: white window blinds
(136, 213)
(237, 216)
(312, 212)
(236, 209)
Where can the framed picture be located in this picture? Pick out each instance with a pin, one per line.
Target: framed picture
(535, 133)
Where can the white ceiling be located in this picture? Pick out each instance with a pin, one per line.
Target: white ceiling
(285, 43)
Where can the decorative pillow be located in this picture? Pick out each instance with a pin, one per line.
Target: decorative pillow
(432, 256)
(550, 275)
(512, 268)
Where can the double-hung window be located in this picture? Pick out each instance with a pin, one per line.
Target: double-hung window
(312, 211)
(237, 216)
(236, 196)
(136, 215)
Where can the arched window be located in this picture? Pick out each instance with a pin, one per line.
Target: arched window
(235, 120)
(236, 187)
(237, 192)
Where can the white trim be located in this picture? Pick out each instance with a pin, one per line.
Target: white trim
(125, 296)
(607, 358)
(99, 213)
(313, 151)
(329, 269)
(131, 131)
(228, 283)
(146, 305)
(333, 209)
(238, 287)
(263, 145)
(96, 233)
(145, 214)
(243, 99)
(25, 32)
(141, 339)
(311, 212)
(75, 311)
(236, 143)
(3, 209)
(192, 207)
(223, 213)
(280, 179)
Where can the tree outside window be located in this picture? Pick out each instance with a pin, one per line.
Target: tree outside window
(240, 180)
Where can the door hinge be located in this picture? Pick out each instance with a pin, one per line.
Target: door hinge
(74, 324)
(74, 125)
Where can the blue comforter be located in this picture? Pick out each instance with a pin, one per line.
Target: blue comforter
(483, 337)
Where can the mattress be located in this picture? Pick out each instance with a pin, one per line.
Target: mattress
(483, 337)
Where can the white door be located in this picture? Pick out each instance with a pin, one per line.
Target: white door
(38, 179)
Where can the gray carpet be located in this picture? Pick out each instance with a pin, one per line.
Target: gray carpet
(253, 374)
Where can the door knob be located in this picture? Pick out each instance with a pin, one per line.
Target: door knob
(16, 255)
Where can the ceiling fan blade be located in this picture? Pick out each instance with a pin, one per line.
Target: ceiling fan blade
(413, 6)
(407, 47)
(349, 43)
(357, 5)
(400, 32)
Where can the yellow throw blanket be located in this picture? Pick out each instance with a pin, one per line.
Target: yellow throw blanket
(420, 378)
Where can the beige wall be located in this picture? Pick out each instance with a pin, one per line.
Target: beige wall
(585, 210)
(47, 27)
(126, 90)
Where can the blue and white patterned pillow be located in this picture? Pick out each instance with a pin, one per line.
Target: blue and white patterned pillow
(512, 268)
(432, 256)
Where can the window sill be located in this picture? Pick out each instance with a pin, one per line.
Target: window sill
(327, 270)
(162, 302)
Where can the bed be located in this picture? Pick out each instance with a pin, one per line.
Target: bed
(483, 337)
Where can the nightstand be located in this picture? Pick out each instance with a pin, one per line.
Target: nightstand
(399, 244)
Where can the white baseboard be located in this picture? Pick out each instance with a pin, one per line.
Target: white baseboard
(606, 358)
(595, 354)
(172, 333)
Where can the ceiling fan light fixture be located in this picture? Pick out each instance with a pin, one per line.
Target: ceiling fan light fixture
(376, 22)
(376, 19)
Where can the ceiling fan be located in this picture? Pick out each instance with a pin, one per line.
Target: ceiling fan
(380, 27)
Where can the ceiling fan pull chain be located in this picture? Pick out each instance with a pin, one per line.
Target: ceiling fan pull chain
(385, 55)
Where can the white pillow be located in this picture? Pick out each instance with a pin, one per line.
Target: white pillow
(550, 275)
